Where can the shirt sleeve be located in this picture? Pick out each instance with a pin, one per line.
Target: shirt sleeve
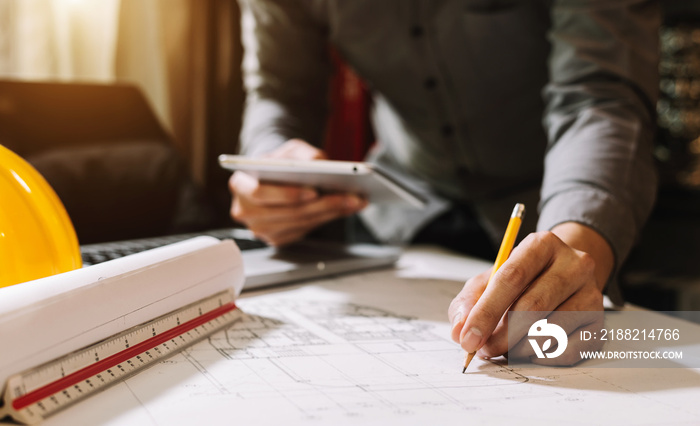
(601, 99)
(286, 68)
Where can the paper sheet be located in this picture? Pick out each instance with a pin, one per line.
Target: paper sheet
(373, 349)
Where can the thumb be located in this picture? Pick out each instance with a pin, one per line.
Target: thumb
(298, 149)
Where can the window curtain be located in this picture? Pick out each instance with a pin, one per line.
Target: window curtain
(58, 39)
(184, 54)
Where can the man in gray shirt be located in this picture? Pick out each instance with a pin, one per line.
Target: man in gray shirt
(460, 88)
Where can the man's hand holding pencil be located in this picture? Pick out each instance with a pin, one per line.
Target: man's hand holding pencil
(564, 269)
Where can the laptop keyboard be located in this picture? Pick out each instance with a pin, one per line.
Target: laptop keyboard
(93, 254)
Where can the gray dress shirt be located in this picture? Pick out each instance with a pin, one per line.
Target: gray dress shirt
(485, 102)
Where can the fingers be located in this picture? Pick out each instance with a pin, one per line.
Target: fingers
(464, 302)
(542, 280)
(327, 206)
(304, 219)
(568, 284)
(282, 214)
(280, 224)
(542, 275)
(533, 256)
(299, 150)
(245, 186)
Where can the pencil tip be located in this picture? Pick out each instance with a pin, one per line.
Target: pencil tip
(468, 361)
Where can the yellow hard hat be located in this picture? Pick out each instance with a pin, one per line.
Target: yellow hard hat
(37, 238)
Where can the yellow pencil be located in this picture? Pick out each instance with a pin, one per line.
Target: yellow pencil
(516, 219)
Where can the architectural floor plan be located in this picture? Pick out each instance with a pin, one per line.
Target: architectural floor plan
(372, 349)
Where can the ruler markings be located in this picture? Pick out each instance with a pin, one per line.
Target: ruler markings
(75, 376)
(116, 359)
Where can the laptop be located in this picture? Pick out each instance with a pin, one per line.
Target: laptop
(47, 115)
(266, 265)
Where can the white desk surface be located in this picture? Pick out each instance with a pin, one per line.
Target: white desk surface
(374, 348)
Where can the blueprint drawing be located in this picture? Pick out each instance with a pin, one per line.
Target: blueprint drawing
(372, 349)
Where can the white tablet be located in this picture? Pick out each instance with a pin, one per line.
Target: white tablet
(328, 176)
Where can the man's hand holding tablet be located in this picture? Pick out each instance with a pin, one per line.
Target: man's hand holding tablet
(281, 214)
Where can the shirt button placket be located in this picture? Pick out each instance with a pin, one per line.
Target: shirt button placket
(430, 83)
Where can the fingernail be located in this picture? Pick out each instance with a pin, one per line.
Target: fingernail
(458, 318)
(353, 202)
(471, 340)
(308, 194)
